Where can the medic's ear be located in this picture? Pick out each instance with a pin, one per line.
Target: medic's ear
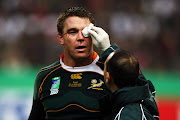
(60, 38)
(107, 78)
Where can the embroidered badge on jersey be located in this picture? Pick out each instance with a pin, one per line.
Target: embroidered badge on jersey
(55, 85)
(75, 77)
(96, 85)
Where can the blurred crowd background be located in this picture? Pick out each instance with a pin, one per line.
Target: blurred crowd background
(148, 28)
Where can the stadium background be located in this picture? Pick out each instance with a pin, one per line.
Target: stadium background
(148, 28)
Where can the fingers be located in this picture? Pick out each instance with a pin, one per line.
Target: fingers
(98, 30)
(100, 37)
(93, 34)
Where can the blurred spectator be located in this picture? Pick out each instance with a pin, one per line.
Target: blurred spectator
(133, 26)
(145, 27)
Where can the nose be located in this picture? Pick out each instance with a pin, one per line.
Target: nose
(80, 35)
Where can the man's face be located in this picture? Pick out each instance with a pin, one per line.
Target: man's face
(76, 46)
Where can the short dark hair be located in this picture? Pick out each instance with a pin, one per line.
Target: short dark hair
(73, 11)
(123, 68)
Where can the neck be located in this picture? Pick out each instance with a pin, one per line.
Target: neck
(113, 88)
(77, 62)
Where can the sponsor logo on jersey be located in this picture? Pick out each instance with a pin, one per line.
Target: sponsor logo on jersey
(55, 85)
(76, 76)
(75, 84)
(96, 85)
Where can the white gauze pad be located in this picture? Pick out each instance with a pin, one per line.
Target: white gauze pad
(85, 30)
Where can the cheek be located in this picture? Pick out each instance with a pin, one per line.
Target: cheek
(69, 42)
(68, 46)
(90, 43)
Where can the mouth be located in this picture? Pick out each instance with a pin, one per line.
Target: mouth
(81, 48)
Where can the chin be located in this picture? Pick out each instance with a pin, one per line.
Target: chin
(82, 56)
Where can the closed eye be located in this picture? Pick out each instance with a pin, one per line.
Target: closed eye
(72, 31)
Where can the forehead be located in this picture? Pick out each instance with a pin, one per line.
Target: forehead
(76, 22)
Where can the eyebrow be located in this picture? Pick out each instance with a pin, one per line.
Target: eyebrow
(72, 29)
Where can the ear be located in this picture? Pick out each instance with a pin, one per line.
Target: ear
(108, 77)
(60, 39)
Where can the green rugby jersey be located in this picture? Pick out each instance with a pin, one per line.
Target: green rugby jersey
(70, 93)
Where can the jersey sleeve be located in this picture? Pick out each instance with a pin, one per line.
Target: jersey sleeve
(37, 110)
(106, 53)
(37, 85)
(143, 79)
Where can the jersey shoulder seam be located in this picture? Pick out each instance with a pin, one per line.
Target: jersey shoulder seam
(52, 66)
